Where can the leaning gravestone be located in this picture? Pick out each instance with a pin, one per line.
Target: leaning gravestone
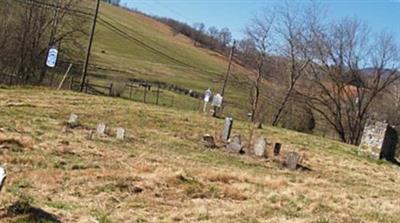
(260, 147)
(73, 120)
(373, 139)
(2, 177)
(292, 160)
(120, 133)
(227, 129)
(101, 129)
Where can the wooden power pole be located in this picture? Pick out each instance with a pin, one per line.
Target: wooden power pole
(228, 71)
(89, 48)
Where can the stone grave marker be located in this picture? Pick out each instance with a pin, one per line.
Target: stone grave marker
(73, 120)
(292, 160)
(235, 147)
(260, 147)
(226, 134)
(120, 133)
(374, 138)
(277, 149)
(236, 139)
(208, 141)
(101, 129)
(2, 177)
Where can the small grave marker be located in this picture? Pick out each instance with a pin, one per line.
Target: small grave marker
(236, 139)
(227, 129)
(120, 133)
(235, 147)
(208, 141)
(101, 129)
(260, 147)
(277, 149)
(73, 120)
(292, 160)
(2, 177)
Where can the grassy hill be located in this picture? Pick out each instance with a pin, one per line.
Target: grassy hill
(162, 173)
(141, 47)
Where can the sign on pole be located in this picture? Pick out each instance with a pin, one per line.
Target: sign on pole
(52, 58)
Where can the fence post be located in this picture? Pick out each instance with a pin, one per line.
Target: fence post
(130, 92)
(71, 83)
(145, 94)
(111, 89)
(158, 93)
(86, 85)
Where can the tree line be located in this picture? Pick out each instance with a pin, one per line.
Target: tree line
(30, 28)
(337, 71)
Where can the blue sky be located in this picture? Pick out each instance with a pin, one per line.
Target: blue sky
(235, 14)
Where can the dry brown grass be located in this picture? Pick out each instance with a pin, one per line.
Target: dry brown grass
(161, 173)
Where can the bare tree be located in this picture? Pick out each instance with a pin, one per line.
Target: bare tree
(260, 33)
(31, 28)
(294, 35)
(350, 70)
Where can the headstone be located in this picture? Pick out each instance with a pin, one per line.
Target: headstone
(235, 147)
(277, 149)
(208, 141)
(101, 129)
(373, 138)
(217, 101)
(73, 120)
(235, 139)
(120, 133)
(292, 160)
(207, 95)
(2, 177)
(227, 129)
(260, 147)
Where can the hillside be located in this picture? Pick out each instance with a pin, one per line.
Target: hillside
(138, 46)
(162, 173)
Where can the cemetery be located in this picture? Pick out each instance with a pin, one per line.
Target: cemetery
(64, 161)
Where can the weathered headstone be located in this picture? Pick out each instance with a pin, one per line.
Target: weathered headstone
(227, 129)
(292, 160)
(2, 177)
(373, 139)
(277, 149)
(120, 133)
(235, 139)
(235, 147)
(101, 129)
(260, 147)
(208, 141)
(73, 120)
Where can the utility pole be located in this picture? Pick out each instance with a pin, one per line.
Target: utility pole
(228, 71)
(89, 48)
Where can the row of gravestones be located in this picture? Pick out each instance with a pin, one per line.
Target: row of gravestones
(234, 144)
(101, 129)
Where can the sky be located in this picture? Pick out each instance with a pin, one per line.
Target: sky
(236, 14)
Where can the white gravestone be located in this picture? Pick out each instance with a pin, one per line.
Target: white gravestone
(207, 96)
(260, 147)
(101, 129)
(120, 133)
(217, 100)
(73, 120)
(2, 177)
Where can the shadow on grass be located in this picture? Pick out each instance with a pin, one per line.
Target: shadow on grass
(25, 212)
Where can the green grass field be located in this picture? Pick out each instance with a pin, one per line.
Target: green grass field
(162, 173)
(143, 48)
